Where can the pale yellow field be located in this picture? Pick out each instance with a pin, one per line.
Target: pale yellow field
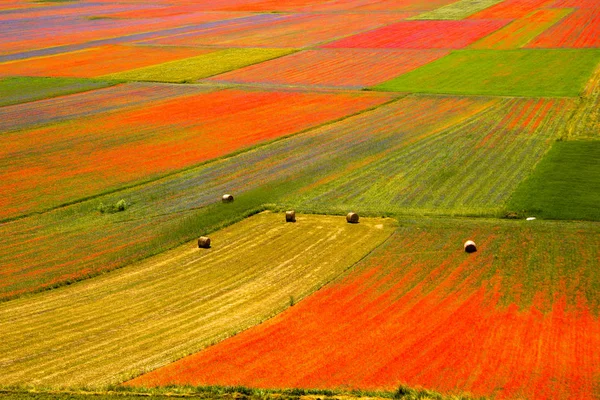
(585, 123)
(110, 328)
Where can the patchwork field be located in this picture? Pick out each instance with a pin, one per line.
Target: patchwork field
(521, 31)
(458, 10)
(123, 124)
(493, 322)
(180, 301)
(125, 146)
(581, 29)
(291, 31)
(422, 35)
(192, 69)
(509, 73)
(350, 68)
(98, 61)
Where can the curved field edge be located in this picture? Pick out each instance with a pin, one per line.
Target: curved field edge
(492, 323)
(335, 160)
(108, 329)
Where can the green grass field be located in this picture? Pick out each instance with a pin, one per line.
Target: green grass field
(107, 329)
(564, 185)
(535, 73)
(15, 90)
(192, 69)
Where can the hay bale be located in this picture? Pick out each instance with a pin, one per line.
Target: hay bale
(470, 246)
(204, 242)
(290, 216)
(352, 218)
(227, 198)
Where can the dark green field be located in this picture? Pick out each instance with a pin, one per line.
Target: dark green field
(564, 185)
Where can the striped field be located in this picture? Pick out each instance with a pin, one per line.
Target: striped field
(91, 155)
(517, 319)
(154, 312)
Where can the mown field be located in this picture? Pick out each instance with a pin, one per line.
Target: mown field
(121, 324)
(123, 123)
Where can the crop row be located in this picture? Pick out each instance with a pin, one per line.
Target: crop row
(472, 167)
(151, 313)
(517, 319)
(202, 66)
(521, 31)
(581, 29)
(458, 10)
(350, 68)
(91, 155)
(291, 31)
(422, 35)
(86, 104)
(424, 139)
(97, 61)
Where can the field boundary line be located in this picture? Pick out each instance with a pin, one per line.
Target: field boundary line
(194, 166)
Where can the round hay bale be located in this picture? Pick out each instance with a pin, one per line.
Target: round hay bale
(290, 216)
(352, 218)
(470, 246)
(227, 198)
(204, 242)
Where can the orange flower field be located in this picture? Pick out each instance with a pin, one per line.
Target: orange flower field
(180, 181)
(353, 68)
(97, 61)
(421, 312)
(124, 146)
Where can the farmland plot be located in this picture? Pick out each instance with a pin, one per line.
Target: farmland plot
(192, 69)
(350, 68)
(517, 319)
(97, 61)
(62, 108)
(136, 319)
(22, 36)
(522, 72)
(581, 29)
(169, 211)
(521, 31)
(292, 31)
(458, 10)
(422, 35)
(15, 90)
(515, 9)
(585, 123)
(378, 5)
(470, 168)
(564, 185)
(126, 146)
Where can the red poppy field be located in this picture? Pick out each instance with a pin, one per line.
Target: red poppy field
(420, 311)
(125, 271)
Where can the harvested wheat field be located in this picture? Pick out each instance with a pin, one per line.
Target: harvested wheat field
(154, 312)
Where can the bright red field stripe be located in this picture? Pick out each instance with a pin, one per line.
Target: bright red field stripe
(91, 154)
(423, 35)
(444, 325)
